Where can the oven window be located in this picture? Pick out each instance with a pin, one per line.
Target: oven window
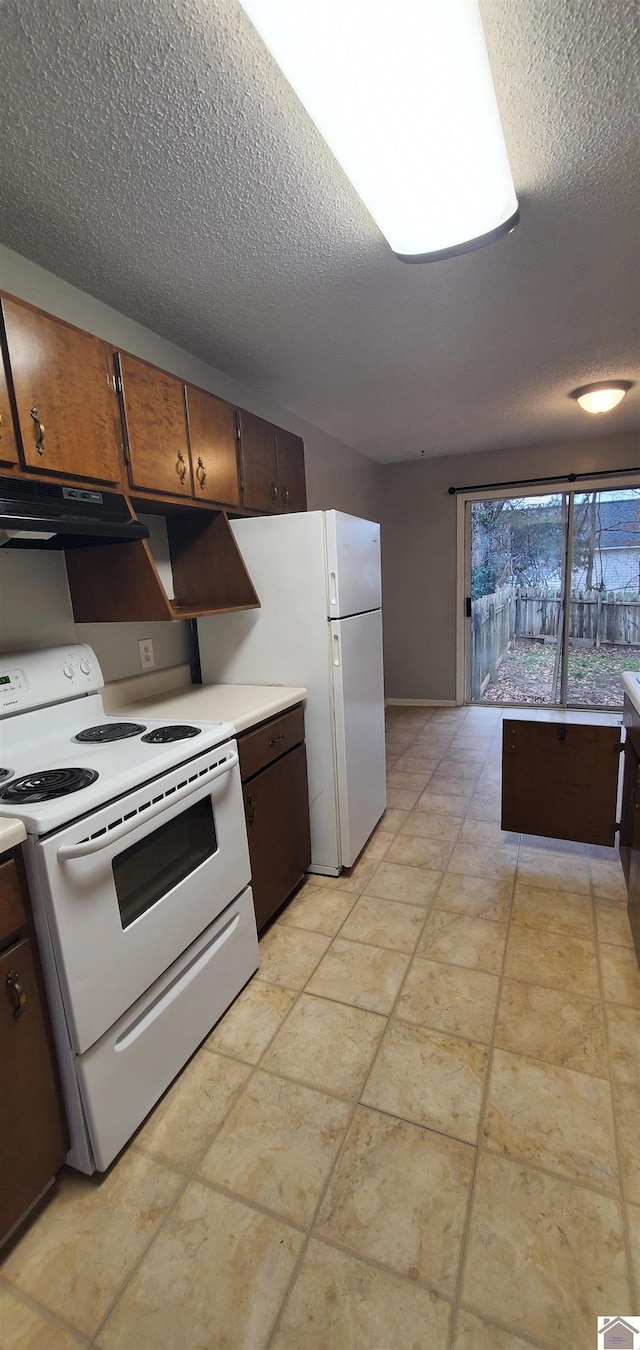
(150, 868)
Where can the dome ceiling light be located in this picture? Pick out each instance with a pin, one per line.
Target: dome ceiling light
(403, 95)
(601, 397)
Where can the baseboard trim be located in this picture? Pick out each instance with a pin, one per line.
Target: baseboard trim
(420, 703)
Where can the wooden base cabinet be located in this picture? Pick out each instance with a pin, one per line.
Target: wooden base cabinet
(33, 1132)
(560, 780)
(273, 763)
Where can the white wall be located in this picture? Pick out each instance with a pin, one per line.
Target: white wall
(35, 609)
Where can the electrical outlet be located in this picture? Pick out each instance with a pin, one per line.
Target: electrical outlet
(147, 659)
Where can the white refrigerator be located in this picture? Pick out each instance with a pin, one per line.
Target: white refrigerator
(317, 575)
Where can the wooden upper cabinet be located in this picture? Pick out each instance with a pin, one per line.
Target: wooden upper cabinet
(214, 459)
(65, 396)
(155, 427)
(291, 480)
(259, 463)
(8, 443)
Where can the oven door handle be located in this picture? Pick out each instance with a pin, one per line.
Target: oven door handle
(89, 846)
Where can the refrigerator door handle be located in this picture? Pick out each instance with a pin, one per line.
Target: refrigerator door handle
(336, 650)
(333, 589)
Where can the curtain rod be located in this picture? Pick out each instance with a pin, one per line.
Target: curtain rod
(531, 482)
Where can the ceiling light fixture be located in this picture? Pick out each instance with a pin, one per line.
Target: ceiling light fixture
(601, 397)
(402, 93)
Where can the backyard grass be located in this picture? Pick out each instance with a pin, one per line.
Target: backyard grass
(525, 674)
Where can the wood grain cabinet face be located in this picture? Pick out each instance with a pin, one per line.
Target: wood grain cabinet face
(156, 428)
(65, 397)
(277, 814)
(560, 780)
(33, 1136)
(214, 459)
(8, 443)
(291, 480)
(259, 463)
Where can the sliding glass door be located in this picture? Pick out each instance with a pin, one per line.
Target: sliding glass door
(553, 597)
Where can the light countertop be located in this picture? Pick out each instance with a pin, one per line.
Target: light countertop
(244, 705)
(631, 686)
(12, 832)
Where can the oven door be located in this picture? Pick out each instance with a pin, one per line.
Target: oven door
(127, 889)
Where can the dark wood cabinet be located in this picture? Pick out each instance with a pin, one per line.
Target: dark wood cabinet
(274, 772)
(65, 396)
(292, 491)
(212, 438)
(257, 440)
(155, 422)
(8, 443)
(32, 1126)
(560, 780)
(72, 406)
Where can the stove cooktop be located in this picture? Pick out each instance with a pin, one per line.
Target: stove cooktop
(117, 757)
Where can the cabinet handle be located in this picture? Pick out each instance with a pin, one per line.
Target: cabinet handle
(274, 740)
(285, 495)
(16, 994)
(40, 436)
(251, 810)
(201, 473)
(274, 492)
(181, 468)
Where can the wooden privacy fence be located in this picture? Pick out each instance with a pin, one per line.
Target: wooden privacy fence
(492, 629)
(612, 617)
(594, 616)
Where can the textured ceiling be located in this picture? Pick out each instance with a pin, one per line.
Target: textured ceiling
(152, 154)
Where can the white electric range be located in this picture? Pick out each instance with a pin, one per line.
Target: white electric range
(139, 875)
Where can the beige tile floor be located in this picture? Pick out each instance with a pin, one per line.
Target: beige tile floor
(416, 1129)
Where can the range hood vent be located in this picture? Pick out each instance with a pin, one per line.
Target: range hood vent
(49, 516)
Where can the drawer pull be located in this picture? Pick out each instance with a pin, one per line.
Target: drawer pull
(251, 810)
(16, 994)
(40, 436)
(274, 740)
(274, 492)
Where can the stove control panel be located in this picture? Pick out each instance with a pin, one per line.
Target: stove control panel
(36, 679)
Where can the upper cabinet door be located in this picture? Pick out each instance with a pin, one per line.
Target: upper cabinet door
(214, 460)
(8, 443)
(259, 463)
(156, 428)
(65, 396)
(291, 481)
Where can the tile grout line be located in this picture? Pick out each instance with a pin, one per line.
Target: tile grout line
(612, 1092)
(45, 1313)
(464, 1246)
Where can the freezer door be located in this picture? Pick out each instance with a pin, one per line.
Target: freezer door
(353, 565)
(356, 662)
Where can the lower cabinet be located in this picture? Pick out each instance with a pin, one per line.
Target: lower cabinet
(32, 1125)
(560, 780)
(274, 770)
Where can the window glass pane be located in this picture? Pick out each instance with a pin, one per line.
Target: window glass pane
(604, 619)
(147, 870)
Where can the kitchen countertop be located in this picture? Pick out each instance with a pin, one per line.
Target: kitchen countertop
(244, 705)
(12, 832)
(631, 686)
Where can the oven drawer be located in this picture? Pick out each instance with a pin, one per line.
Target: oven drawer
(122, 1076)
(261, 747)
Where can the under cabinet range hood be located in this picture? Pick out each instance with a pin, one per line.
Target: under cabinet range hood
(50, 516)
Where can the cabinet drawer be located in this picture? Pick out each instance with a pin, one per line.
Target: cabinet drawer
(264, 745)
(12, 915)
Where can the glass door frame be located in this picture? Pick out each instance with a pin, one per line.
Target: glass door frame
(463, 571)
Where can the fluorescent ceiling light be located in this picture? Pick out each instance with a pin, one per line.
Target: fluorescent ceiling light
(601, 397)
(403, 95)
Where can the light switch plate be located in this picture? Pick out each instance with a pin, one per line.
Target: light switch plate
(147, 659)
